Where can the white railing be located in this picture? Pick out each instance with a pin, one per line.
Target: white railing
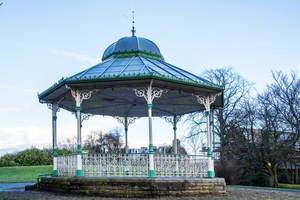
(178, 165)
(115, 165)
(165, 165)
(66, 165)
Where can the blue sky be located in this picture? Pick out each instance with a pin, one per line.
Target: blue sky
(42, 41)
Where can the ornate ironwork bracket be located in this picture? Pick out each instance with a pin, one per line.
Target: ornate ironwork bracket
(85, 116)
(122, 120)
(80, 95)
(53, 106)
(149, 93)
(172, 119)
(206, 101)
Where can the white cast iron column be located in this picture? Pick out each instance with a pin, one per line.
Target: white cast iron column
(54, 107)
(149, 94)
(174, 120)
(79, 96)
(175, 137)
(126, 134)
(207, 101)
(126, 121)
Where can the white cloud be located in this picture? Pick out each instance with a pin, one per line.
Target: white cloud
(22, 137)
(14, 137)
(77, 56)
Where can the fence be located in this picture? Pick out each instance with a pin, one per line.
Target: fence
(165, 165)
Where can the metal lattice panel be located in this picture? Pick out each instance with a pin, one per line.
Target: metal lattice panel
(102, 165)
(66, 165)
(181, 165)
(115, 165)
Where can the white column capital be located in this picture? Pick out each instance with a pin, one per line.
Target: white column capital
(149, 93)
(206, 101)
(80, 95)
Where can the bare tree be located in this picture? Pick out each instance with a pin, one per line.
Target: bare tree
(268, 130)
(194, 142)
(280, 122)
(236, 89)
(286, 100)
(110, 142)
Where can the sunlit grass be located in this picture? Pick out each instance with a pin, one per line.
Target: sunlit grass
(289, 186)
(23, 173)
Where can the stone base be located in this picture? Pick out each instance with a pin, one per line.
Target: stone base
(128, 187)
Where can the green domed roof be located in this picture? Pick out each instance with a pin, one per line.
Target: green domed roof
(129, 46)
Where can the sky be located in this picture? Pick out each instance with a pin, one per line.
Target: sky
(43, 41)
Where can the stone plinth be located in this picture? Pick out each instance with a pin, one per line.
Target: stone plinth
(133, 187)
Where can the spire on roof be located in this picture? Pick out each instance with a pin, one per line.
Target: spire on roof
(133, 29)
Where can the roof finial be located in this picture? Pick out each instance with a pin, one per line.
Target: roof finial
(133, 29)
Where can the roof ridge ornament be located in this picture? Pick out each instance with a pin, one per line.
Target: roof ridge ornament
(133, 28)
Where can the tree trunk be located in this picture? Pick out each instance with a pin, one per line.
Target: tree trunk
(275, 178)
(272, 169)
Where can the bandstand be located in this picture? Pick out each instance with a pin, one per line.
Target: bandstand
(132, 81)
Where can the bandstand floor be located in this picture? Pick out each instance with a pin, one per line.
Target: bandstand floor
(133, 187)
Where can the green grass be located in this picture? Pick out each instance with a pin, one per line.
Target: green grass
(23, 173)
(289, 186)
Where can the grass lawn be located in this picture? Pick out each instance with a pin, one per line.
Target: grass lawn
(23, 173)
(289, 186)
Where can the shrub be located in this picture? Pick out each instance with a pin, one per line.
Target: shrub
(8, 160)
(34, 156)
(28, 157)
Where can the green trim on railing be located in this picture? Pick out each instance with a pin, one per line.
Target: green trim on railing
(151, 173)
(209, 152)
(151, 149)
(79, 149)
(54, 152)
(210, 174)
(150, 106)
(54, 173)
(79, 172)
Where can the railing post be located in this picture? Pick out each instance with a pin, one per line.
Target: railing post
(149, 94)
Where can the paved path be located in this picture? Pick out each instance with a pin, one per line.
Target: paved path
(15, 192)
(254, 188)
(10, 187)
